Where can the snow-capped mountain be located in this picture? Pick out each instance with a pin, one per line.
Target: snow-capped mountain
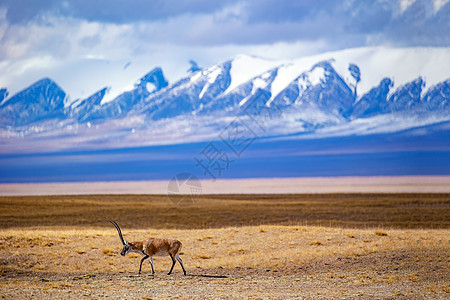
(332, 93)
(41, 101)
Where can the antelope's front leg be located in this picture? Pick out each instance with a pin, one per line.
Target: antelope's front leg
(142, 260)
(173, 263)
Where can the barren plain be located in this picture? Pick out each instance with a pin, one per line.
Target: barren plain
(256, 246)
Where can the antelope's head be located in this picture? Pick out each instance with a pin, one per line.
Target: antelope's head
(126, 248)
(126, 245)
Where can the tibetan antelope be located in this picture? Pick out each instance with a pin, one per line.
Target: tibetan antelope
(150, 247)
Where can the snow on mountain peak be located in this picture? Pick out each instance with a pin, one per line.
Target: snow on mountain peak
(212, 75)
(151, 82)
(3, 95)
(155, 77)
(257, 83)
(112, 94)
(246, 67)
(317, 75)
(289, 71)
(314, 92)
(402, 65)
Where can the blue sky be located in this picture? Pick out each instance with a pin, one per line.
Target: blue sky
(80, 42)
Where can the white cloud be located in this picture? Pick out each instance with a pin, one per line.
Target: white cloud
(84, 55)
(438, 4)
(404, 4)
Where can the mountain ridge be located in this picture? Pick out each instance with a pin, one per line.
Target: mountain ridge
(313, 94)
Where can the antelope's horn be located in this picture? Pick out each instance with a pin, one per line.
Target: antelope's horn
(119, 231)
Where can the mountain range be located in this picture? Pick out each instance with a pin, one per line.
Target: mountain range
(351, 92)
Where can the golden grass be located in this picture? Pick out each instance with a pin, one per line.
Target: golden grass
(63, 247)
(259, 264)
(87, 250)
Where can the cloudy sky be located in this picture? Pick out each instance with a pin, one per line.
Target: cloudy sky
(87, 44)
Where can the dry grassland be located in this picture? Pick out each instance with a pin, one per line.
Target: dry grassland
(216, 211)
(236, 246)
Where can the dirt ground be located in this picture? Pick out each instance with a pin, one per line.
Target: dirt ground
(256, 261)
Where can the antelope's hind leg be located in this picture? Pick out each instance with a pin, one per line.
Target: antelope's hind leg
(151, 262)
